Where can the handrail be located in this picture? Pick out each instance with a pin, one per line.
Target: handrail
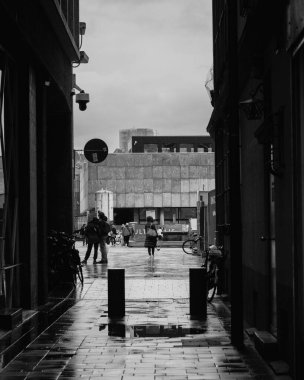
(11, 266)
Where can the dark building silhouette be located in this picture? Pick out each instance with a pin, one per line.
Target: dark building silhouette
(38, 43)
(153, 144)
(257, 126)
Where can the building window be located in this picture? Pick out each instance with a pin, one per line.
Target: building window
(186, 213)
(186, 148)
(123, 215)
(9, 184)
(246, 6)
(169, 147)
(168, 214)
(150, 148)
(203, 148)
(144, 212)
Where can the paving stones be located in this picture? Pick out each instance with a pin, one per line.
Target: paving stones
(157, 339)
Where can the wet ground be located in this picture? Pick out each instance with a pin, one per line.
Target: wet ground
(157, 339)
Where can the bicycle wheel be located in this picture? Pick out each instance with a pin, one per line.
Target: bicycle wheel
(212, 281)
(189, 246)
(74, 279)
(80, 274)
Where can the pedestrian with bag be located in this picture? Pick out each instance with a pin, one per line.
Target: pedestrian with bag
(92, 237)
(151, 236)
(126, 233)
(104, 229)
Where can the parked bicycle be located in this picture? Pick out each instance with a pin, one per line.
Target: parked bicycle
(213, 258)
(64, 259)
(115, 240)
(190, 246)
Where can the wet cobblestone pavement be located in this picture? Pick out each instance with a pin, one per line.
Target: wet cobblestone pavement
(156, 339)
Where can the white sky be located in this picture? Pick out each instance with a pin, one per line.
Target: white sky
(148, 63)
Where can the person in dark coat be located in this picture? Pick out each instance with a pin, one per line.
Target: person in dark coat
(104, 229)
(92, 236)
(82, 233)
(151, 236)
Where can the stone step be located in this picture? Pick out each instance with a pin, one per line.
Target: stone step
(19, 327)
(10, 318)
(266, 344)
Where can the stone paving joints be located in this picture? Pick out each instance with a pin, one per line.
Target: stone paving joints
(156, 340)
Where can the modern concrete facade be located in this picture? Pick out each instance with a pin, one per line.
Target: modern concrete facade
(149, 181)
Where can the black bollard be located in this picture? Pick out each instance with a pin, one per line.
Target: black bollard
(116, 293)
(198, 292)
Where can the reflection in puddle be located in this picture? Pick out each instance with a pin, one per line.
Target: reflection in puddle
(142, 331)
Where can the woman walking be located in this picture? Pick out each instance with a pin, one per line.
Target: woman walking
(126, 233)
(151, 236)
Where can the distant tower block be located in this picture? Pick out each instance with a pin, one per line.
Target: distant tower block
(126, 134)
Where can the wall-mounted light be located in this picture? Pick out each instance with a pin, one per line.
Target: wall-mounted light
(82, 28)
(83, 57)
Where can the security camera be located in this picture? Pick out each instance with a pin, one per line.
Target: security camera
(82, 99)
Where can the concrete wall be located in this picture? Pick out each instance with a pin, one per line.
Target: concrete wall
(83, 198)
(152, 179)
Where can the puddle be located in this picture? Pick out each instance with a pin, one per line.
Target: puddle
(148, 331)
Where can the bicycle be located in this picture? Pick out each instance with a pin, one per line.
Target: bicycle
(213, 257)
(190, 246)
(115, 240)
(64, 259)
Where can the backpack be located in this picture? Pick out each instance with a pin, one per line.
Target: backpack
(126, 231)
(151, 232)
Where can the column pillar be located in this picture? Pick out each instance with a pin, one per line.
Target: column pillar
(162, 217)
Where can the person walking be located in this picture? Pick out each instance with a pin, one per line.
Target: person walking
(92, 237)
(104, 229)
(151, 236)
(126, 233)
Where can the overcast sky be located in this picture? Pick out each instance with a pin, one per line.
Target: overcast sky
(148, 63)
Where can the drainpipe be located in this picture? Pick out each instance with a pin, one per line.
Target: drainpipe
(234, 179)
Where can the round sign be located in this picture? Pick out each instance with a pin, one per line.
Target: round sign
(95, 150)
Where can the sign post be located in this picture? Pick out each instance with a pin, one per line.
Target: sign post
(96, 151)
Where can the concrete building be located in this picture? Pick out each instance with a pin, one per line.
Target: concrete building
(125, 135)
(164, 185)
